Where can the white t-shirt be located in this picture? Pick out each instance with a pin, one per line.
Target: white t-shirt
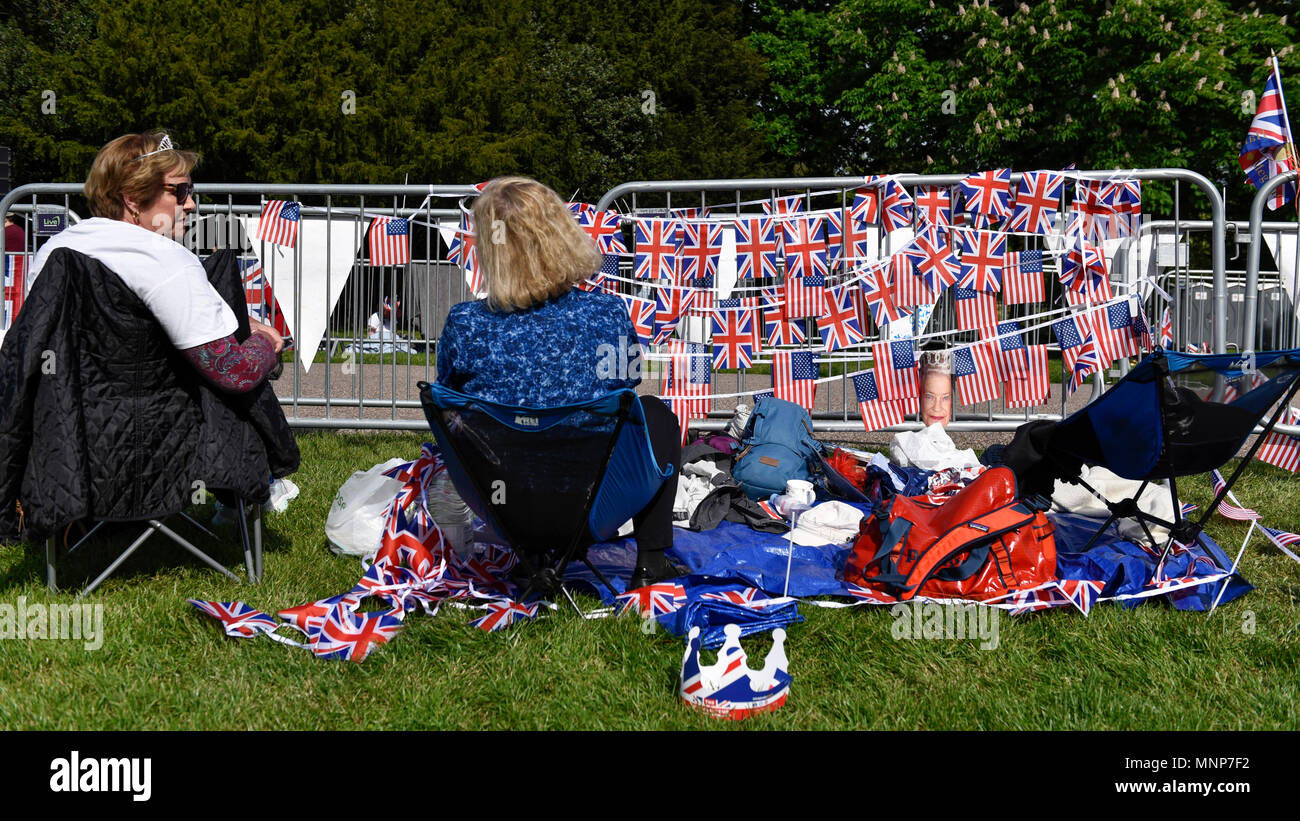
(164, 274)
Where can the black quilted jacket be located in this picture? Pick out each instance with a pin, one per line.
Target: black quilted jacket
(101, 418)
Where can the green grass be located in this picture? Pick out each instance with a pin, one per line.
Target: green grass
(165, 666)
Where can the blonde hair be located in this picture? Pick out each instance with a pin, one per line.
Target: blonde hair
(529, 245)
(122, 170)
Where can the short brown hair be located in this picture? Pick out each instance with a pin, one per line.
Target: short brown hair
(529, 245)
(121, 170)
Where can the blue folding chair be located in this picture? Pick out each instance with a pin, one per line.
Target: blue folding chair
(550, 481)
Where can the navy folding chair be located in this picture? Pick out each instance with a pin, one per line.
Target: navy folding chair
(1147, 429)
(549, 481)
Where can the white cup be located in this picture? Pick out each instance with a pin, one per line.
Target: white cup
(800, 490)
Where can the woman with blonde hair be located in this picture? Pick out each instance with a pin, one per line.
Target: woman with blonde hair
(538, 341)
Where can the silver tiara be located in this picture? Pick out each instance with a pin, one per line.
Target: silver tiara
(937, 360)
(165, 145)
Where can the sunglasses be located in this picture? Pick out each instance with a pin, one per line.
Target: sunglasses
(182, 190)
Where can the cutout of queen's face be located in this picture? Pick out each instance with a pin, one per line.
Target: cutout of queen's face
(936, 398)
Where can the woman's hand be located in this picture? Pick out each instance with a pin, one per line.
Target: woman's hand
(257, 327)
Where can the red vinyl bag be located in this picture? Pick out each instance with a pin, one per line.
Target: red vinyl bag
(981, 543)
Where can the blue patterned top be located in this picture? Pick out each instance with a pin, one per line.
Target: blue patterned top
(575, 347)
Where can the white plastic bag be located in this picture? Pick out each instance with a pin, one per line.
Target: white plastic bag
(356, 520)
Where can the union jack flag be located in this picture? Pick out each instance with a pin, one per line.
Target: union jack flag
(259, 298)
(350, 636)
(671, 301)
(792, 204)
(1083, 271)
(237, 619)
(877, 414)
(1033, 388)
(642, 313)
(976, 369)
(909, 287)
(702, 245)
(15, 266)
(577, 209)
(1022, 278)
(804, 296)
(653, 600)
(603, 228)
(1230, 510)
(777, 330)
(1279, 449)
(896, 371)
(805, 250)
(838, 326)
(1124, 198)
(1082, 593)
(976, 310)
(877, 295)
(1078, 349)
(866, 205)
(1038, 199)
(744, 596)
(503, 613)
(390, 241)
(755, 248)
(934, 205)
(733, 339)
(657, 244)
(1167, 330)
(1269, 146)
(1091, 216)
(897, 210)
(846, 238)
(794, 377)
(279, 222)
(308, 618)
(987, 196)
(982, 254)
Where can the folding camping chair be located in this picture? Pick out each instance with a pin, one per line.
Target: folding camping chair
(1145, 428)
(549, 481)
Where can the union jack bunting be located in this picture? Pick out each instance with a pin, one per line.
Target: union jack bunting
(987, 196)
(1083, 271)
(462, 250)
(866, 205)
(577, 209)
(350, 636)
(744, 596)
(308, 618)
(238, 620)
(976, 310)
(976, 370)
(804, 296)
(603, 228)
(642, 313)
(733, 339)
(259, 298)
(896, 371)
(877, 414)
(844, 239)
(701, 247)
(690, 213)
(1113, 326)
(1038, 199)
(982, 255)
(878, 295)
(15, 266)
(1230, 509)
(1034, 388)
(390, 241)
(838, 324)
(279, 222)
(755, 248)
(653, 600)
(934, 261)
(794, 377)
(805, 250)
(1022, 278)
(671, 302)
(1011, 359)
(503, 613)
(910, 289)
(1279, 449)
(777, 330)
(1124, 198)
(1082, 593)
(1090, 214)
(896, 211)
(1167, 330)
(1078, 349)
(657, 244)
(934, 205)
(1269, 148)
(792, 204)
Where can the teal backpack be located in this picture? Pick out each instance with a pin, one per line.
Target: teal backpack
(777, 445)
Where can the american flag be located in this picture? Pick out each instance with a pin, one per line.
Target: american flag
(755, 248)
(1167, 330)
(866, 205)
(351, 636)
(701, 247)
(878, 295)
(988, 196)
(896, 371)
(976, 310)
(934, 205)
(261, 301)
(804, 296)
(1279, 449)
(733, 339)
(1034, 388)
(982, 254)
(1113, 326)
(1078, 349)
(702, 295)
(15, 266)
(279, 222)
(1011, 351)
(976, 369)
(657, 245)
(805, 250)
(934, 260)
(792, 204)
(1281, 539)
(794, 377)
(897, 207)
(838, 325)
(1269, 148)
(689, 378)
(876, 413)
(1230, 507)
(909, 288)
(603, 228)
(1022, 278)
(237, 619)
(502, 613)
(653, 600)
(390, 241)
(1038, 200)
(642, 313)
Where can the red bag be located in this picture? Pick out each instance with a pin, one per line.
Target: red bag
(980, 544)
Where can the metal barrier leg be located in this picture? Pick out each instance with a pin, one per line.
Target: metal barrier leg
(49, 565)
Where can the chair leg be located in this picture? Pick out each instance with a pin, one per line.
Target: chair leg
(153, 524)
(243, 538)
(180, 540)
(49, 565)
(257, 542)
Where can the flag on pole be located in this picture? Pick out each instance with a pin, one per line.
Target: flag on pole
(794, 377)
(279, 222)
(1269, 148)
